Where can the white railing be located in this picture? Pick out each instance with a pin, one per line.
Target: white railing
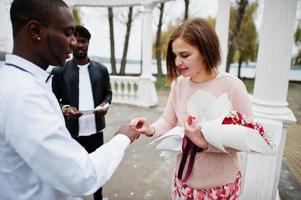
(124, 89)
(134, 90)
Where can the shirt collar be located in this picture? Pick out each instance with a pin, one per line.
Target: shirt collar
(83, 66)
(27, 66)
(76, 66)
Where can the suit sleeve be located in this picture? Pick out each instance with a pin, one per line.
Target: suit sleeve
(56, 85)
(107, 87)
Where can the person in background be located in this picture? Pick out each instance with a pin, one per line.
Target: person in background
(193, 54)
(83, 84)
(38, 157)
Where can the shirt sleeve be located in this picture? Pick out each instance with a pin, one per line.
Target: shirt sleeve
(168, 119)
(36, 131)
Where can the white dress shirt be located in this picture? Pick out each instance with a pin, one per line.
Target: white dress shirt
(38, 158)
(87, 124)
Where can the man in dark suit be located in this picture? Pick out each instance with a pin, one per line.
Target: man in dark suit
(83, 84)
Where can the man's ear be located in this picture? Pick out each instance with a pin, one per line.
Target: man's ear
(34, 29)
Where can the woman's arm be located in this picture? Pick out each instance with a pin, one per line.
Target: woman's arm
(167, 121)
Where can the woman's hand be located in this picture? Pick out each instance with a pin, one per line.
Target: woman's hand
(193, 131)
(143, 126)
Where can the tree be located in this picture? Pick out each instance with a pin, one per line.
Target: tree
(158, 40)
(126, 15)
(76, 16)
(247, 38)
(236, 17)
(164, 40)
(297, 36)
(297, 59)
(211, 21)
(186, 12)
(126, 41)
(112, 40)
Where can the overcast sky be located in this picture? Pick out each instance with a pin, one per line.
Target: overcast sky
(95, 19)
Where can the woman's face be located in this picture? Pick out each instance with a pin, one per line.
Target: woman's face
(188, 59)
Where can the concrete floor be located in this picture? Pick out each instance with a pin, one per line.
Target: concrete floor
(142, 174)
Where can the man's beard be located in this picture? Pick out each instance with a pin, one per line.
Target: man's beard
(80, 54)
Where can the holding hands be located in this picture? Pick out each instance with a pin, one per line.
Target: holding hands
(142, 126)
(193, 131)
(130, 131)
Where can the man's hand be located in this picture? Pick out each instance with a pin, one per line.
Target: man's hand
(102, 109)
(130, 131)
(72, 113)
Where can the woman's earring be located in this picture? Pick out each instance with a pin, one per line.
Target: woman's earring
(38, 38)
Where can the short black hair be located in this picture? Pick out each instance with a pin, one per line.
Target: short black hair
(81, 31)
(23, 11)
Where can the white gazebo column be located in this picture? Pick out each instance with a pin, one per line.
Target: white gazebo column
(146, 91)
(147, 33)
(270, 94)
(6, 30)
(222, 29)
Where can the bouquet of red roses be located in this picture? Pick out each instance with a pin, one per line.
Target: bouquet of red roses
(222, 128)
(236, 118)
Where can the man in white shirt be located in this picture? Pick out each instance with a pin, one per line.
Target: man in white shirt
(83, 85)
(38, 158)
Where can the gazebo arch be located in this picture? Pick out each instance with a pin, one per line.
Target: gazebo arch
(140, 90)
(270, 93)
(112, 3)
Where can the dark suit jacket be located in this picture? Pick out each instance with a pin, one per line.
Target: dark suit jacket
(65, 87)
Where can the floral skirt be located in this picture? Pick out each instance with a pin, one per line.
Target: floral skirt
(182, 191)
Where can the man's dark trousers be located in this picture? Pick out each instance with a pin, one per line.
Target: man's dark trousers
(91, 143)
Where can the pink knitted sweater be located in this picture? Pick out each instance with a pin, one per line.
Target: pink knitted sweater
(213, 167)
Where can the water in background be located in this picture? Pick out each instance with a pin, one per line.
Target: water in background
(247, 71)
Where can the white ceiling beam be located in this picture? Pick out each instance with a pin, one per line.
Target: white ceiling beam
(111, 3)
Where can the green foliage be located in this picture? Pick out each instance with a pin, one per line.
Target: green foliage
(211, 21)
(161, 83)
(297, 59)
(297, 36)
(76, 15)
(164, 40)
(247, 38)
(249, 83)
